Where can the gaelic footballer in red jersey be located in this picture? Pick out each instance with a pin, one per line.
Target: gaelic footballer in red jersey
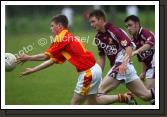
(72, 50)
(144, 40)
(114, 43)
(67, 47)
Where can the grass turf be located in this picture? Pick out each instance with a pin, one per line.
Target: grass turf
(52, 86)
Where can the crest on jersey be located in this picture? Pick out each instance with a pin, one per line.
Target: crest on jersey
(124, 43)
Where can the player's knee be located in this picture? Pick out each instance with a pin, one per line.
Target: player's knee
(102, 89)
(146, 96)
(150, 83)
(150, 86)
(100, 99)
(105, 89)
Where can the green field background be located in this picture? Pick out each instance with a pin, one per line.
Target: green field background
(54, 85)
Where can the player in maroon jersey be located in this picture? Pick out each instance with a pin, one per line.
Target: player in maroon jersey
(67, 47)
(144, 41)
(114, 43)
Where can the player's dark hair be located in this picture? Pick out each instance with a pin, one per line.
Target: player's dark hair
(133, 18)
(98, 14)
(60, 19)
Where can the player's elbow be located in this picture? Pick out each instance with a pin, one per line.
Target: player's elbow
(46, 58)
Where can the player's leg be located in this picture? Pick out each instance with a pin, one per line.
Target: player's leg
(137, 87)
(87, 85)
(150, 78)
(110, 99)
(110, 81)
(107, 99)
(119, 98)
(82, 87)
(150, 83)
(91, 99)
(77, 99)
(108, 84)
(93, 89)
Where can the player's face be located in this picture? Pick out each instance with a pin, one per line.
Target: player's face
(132, 27)
(55, 28)
(96, 23)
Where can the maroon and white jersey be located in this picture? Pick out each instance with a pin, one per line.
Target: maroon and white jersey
(145, 37)
(112, 43)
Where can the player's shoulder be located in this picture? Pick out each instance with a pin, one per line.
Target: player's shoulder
(146, 31)
(69, 36)
(114, 29)
(146, 34)
(110, 27)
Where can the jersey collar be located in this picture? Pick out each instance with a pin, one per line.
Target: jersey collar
(141, 28)
(138, 34)
(60, 36)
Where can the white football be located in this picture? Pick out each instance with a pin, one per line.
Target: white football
(10, 62)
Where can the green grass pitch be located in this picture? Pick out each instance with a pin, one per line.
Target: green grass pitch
(52, 86)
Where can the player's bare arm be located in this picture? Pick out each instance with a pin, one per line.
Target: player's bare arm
(101, 61)
(38, 57)
(128, 52)
(143, 48)
(38, 68)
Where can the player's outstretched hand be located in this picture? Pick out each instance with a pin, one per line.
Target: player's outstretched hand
(27, 71)
(22, 59)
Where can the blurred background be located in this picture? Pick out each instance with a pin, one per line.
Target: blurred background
(35, 19)
(27, 30)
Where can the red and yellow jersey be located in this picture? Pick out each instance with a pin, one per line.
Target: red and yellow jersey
(67, 47)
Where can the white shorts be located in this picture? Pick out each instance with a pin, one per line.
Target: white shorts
(150, 73)
(130, 75)
(89, 81)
